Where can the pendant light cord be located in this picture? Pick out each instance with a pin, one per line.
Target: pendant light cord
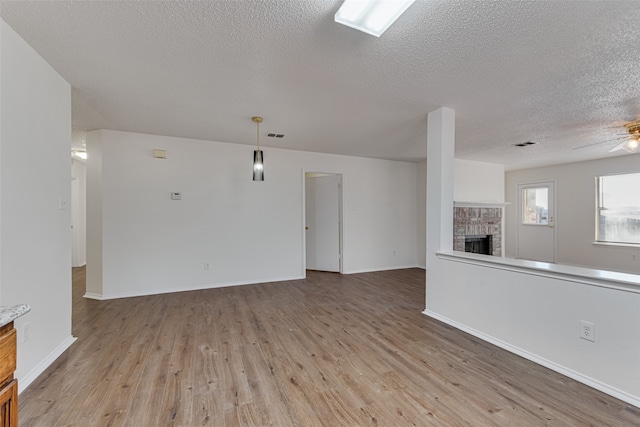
(258, 134)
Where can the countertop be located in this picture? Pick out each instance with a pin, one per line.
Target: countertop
(9, 313)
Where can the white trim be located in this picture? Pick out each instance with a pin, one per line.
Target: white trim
(617, 244)
(587, 276)
(395, 267)
(144, 293)
(598, 385)
(25, 381)
(480, 204)
(303, 261)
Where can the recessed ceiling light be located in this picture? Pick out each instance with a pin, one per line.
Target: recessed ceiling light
(371, 16)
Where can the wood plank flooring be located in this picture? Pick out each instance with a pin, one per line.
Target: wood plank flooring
(330, 350)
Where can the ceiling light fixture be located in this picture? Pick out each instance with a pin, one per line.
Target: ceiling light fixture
(371, 16)
(631, 146)
(258, 163)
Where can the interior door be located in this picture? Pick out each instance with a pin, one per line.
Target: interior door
(322, 215)
(536, 221)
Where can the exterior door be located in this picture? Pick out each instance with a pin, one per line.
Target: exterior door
(322, 222)
(536, 221)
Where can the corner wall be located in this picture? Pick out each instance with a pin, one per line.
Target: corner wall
(249, 231)
(35, 234)
(422, 214)
(576, 212)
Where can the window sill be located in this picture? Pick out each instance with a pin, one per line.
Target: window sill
(623, 245)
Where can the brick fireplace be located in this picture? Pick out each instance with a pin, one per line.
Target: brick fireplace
(478, 228)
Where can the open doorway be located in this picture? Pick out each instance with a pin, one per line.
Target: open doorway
(78, 214)
(323, 221)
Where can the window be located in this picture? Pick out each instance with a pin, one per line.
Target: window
(618, 210)
(535, 206)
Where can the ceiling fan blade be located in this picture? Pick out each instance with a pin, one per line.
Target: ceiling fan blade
(617, 147)
(597, 143)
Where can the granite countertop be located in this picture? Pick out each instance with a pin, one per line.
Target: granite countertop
(9, 313)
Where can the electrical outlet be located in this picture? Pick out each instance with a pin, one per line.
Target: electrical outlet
(26, 332)
(207, 265)
(587, 331)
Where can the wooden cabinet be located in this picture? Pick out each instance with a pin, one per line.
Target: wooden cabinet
(8, 385)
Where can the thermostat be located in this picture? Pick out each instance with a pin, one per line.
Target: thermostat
(176, 196)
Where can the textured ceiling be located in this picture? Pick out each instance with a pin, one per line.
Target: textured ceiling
(562, 73)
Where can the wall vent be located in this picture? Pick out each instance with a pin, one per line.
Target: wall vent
(524, 144)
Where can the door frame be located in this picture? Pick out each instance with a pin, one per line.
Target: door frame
(519, 187)
(340, 220)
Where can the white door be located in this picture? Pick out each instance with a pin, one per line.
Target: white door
(536, 221)
(322, 215)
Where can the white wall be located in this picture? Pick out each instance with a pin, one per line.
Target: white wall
(79, 213)
(35, 235)
(575, 212)
(478, 181)
(532, 315)
(250, 231)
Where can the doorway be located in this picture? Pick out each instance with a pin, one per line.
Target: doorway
(323, 221)
(536, 237)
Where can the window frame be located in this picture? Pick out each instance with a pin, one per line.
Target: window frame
(599, 208)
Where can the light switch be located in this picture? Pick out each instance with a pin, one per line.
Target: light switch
(160, 154)
(62, 204)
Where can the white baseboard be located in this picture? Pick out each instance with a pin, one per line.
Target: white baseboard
(374, 270)
(143, 293)
(45, 363)
(591, 382)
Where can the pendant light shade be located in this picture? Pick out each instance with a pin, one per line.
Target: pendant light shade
(258, 162)
(258, 166)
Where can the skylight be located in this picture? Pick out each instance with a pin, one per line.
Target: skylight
(371, 16)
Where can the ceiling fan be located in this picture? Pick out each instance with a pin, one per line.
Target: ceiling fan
(631, 139)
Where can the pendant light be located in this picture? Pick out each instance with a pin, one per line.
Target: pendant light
(258, 164)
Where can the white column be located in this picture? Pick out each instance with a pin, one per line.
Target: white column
(440, 158)
(94, 285)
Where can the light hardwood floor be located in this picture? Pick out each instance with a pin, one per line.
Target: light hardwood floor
(330, 350)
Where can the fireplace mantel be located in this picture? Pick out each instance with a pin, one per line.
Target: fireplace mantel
(480, 204)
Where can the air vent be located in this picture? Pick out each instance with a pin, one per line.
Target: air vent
(275, 135)
(525, 144)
